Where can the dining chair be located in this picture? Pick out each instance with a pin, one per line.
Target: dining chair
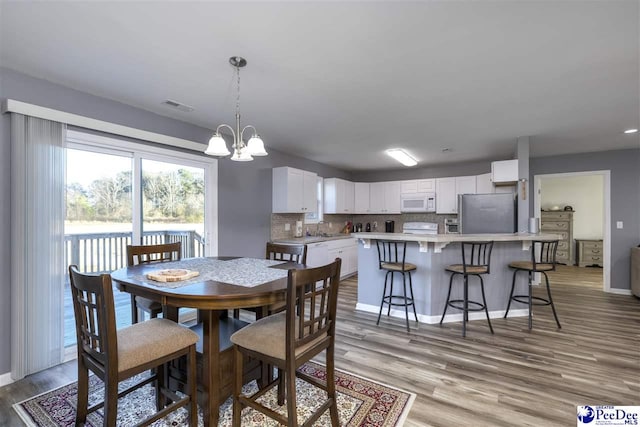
(290, 338)
(115, 355)
(278, 252)
(147, 254)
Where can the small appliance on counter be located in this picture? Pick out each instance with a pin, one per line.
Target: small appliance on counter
(420, 228)
(358, 227)
(298, 232)
(368, 227)
(451, 226)
(389, 226)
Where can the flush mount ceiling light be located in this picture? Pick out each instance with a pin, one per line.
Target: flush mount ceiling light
(241, 152)
(402, 156)
(631, 131)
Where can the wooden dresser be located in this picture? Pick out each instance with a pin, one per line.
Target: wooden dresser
(589, 252)
(561, 223)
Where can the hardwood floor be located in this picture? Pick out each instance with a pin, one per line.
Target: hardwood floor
(512, 378)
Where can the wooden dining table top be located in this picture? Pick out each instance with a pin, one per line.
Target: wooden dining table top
(200, 292)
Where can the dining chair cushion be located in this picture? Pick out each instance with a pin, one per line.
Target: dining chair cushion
(528, 265)
(269, 336)
(150, 340)
(471, 269)
(397, 266)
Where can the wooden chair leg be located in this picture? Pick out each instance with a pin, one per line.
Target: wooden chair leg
(292, 410)
(281, 387)
(192, 388)
(237, 386)
(134, 310)
(83, 393)
(160, 385)
(110, 403)
(331, 387)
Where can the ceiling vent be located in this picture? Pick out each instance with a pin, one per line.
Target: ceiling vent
(178, 106)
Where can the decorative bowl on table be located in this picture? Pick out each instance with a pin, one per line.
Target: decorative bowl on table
(172, 275)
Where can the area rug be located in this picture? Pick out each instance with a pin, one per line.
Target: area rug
(361, 402)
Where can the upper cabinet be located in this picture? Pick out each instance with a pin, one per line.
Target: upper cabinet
(448, 189)
(418, 186)
(338, 196)
(484, 184)
(384, 197)
(361, 198)
(504, 172)
(294, 191)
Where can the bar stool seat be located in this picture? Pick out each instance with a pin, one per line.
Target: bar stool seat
(391, 258)
(543, 259)
(476, 260)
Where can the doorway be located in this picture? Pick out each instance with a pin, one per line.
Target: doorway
(588, 194)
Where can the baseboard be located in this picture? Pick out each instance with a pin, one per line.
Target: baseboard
(619, 291)
(5, 379)
(455, 317)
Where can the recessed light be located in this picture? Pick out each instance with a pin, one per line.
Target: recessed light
(631, 131)
(401, 156)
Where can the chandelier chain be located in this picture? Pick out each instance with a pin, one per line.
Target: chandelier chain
(238, 96)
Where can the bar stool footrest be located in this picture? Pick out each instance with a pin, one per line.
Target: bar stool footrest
(476, 305)
(388, 299)
(524, 299)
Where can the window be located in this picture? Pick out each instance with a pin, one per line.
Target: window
(316, 217)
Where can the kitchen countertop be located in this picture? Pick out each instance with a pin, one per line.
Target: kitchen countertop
(439, 241)
(312, 239)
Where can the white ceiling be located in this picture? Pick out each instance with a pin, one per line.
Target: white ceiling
(340, 82)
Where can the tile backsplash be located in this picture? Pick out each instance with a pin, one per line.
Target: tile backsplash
(335, 223)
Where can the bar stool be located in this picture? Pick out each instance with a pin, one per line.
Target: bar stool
(543, 259)
(476, 260)
(391, 258)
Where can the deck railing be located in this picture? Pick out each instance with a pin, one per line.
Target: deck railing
(105, 252)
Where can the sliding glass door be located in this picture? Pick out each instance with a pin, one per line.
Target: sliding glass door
(120, 193)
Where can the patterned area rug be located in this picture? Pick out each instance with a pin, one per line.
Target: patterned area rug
(361, 402)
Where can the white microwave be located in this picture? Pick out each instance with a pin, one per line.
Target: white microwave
(418, 202)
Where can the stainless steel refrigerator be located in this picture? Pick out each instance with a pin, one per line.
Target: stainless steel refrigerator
(487, 213)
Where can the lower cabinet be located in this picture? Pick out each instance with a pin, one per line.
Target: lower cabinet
(323, 253)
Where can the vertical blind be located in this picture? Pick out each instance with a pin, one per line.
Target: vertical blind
(37, 237)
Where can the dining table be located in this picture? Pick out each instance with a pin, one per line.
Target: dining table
(221, 284)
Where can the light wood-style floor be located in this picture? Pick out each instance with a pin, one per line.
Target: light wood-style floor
(512, 378)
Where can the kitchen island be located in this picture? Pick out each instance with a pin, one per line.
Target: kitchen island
(431, 254)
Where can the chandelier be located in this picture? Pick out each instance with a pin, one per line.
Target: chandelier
(241, 152)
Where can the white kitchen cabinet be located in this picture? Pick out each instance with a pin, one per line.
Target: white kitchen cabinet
(361, 198)
(317, 254)
(294, 191)
(418, 186)
(323, 253)
(384, 197)
(466, 185)
(448, 189)
(484, 185)
(446, 202)
(504, 172)
(347, 250)
(338, 196)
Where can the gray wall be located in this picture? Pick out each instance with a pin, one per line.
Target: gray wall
(244, 189)
(625, 198)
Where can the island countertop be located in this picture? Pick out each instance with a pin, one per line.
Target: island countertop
(439, 241)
